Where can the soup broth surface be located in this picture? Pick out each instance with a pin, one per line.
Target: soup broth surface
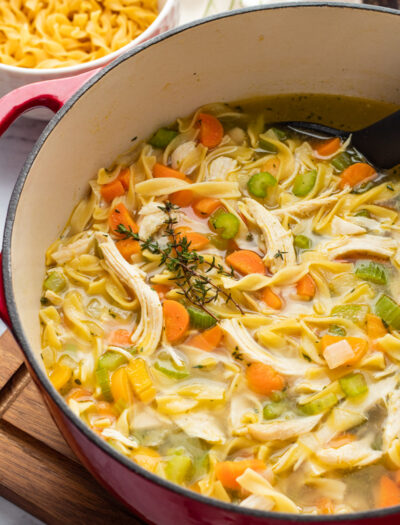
(222, 308)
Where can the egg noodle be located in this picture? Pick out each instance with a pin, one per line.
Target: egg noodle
(59, 33)
(239, 336)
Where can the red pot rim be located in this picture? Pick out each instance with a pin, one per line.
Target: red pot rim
(18, 330)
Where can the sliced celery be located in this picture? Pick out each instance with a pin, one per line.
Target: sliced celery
(267, 146)
(178, 466)
(355, 312)
(304, 183)
(371, 271)
(388, 310)
(259, 183)
(302, 242)
(169, 368)
(273, 410)
(162, 138)
(199, 318)
(55, 282)
(280, 133)
(226, 224)
(219, 242)
(111, 360)
(363, 213)
(335, 329)
(353, 385)
(321, 404)
(342, 161)
(103, 381)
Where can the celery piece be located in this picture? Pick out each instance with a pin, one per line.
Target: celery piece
(353, 385)
(389, 311)
(199, 318)
(267, 146)
(111, 360)
(362, 213)
(178, 466)
(304, 183)
(218, 242)
(259, 183)
(225, 223)
(280, 133)
(342, 161)
(103, 381)
(273, 410)
(335, 329)
(168, 368)
(200, 467)
(371, 271)
(355, 312)
(162, 138)
(321, 404)
(302, 242)
(55, 282)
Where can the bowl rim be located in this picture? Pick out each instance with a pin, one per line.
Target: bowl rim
(17, 327)
(36, 74)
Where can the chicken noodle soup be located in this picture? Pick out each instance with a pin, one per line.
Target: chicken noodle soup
(238, 336)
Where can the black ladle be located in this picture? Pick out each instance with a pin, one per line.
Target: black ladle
(379, 143)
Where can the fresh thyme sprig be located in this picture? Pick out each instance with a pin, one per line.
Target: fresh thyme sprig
(189, 268)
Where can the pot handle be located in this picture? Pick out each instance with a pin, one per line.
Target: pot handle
(51, 94)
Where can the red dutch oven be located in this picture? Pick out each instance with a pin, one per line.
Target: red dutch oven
(286, 48)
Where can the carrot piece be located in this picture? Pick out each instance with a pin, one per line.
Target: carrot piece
(161, 289)
(127, 248)
(272, 166)
(245, 262)
(342, 439)
(80, 394)
(358, 345)
(120, 386)
(271, 298)
(120, 337)
(141, 381)
(60, 376)
(176, 320)
(208, 340)
(120, 215)
(205, 207)
(182, 198)
(161, 171)
(147, 458)
(227, 472)
(356, 173)
(124, 178)
(306, 287)
(111, 190)
(104, 408)
(325, 506)
(197, 240)
(397, 477)
(263, 379)
(211, 130)
(326, 148)
(388, 494)
(375, 327)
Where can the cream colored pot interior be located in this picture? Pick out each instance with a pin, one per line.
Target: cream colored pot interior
(323, 49)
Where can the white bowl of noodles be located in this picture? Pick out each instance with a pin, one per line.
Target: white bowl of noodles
(38, 53)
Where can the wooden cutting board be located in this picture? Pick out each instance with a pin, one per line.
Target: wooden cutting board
(38, 471)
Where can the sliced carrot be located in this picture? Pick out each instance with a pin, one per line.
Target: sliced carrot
(127, 248)
(389, 493)
(176, 320)
(211, 130)
(120, 386)
(271, 298)
(306, 287)
(272, 166)
(182, 198)
(207, 340)
(124, 178)
(112, 190)
(326, 148)
(263, 379)
(227, 472)
(342, 439)
(147, 458)
(120, 215)
(375, 327)
(397, 477)
(205, 207)
(80, 394)
(120, 337)
(105, 409)
(197, 240)
(356, 173)
(358, 345)
(161, 289)
(325, 506)
(161, 171)
(246, 262)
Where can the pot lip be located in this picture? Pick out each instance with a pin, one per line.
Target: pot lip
(18, 330)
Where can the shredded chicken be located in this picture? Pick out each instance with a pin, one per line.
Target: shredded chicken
(151, 218)
(306, 207)
(368, 244)
(66, 253)
(279, 430)
(220, 168)
(356, 454)
(181, 152)
(277, 239)
(148, 331)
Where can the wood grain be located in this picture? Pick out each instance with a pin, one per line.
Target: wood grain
(38, 471)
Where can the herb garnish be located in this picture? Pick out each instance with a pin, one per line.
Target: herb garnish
(189, 268)
(279, 254)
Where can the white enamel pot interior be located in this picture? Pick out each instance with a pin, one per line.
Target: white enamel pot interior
(311, 48)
